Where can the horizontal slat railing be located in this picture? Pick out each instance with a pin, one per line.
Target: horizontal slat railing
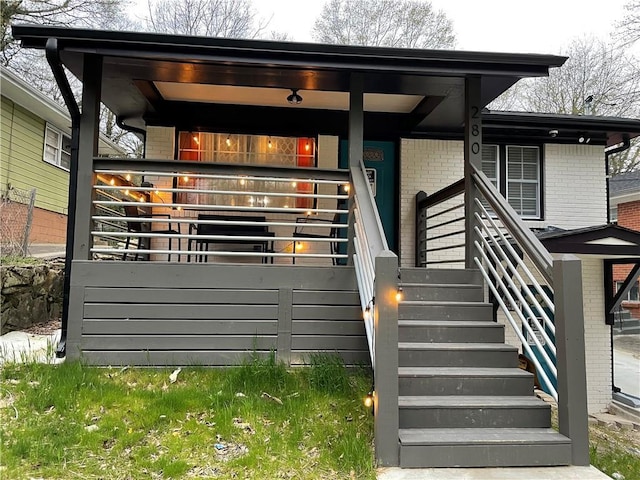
(195, 211)
(440, 227)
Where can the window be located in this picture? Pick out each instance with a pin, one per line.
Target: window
(247, 150)
(516, 171)
(57, 148)
(633, 295)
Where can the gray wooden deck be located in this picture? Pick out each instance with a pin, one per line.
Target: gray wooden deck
(145, 313)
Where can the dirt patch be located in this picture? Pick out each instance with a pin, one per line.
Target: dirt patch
(46, 328)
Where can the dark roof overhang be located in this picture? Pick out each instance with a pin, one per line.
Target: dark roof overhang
(604, 240)
(562, 128)
(133, 61)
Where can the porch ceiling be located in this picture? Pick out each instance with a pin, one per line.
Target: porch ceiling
(276, 97)
(148, 77)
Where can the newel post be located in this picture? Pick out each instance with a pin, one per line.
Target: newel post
(386, 360)
(572, 382)
(472, 156)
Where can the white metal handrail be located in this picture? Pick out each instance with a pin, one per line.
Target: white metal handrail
(510, 279)
(369, 241)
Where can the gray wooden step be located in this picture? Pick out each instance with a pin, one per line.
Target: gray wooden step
(422, 310)
(457, 355)
(464, 381)
(442, 292)
(483, 447)
(440, 331)
(460, 411)
(441, 275)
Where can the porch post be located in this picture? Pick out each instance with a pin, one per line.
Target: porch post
(572, 382)
(356, 146)
(472, 156)
(387, 419)
(87, 149)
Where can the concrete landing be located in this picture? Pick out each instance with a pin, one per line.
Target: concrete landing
(23, 347)
(521, 473)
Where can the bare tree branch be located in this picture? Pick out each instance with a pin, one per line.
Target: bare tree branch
(629, 26)
(210, 18)
(388, 23)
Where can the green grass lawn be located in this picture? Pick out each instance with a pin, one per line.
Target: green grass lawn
(257, 421)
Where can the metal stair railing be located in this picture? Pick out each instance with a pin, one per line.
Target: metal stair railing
(517, 267)
(540, 296)
(377, 275)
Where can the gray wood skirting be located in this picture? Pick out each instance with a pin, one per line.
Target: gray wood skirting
(141, 313)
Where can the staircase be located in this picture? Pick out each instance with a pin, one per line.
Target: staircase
(463, 401)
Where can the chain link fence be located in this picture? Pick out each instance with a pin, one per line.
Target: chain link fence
(16, 215)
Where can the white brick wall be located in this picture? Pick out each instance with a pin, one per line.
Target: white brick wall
(597, 337)
(427, 165)
(160, 143)
(575, 186)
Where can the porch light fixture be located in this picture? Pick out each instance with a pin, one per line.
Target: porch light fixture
(584, 139)
(368, 400)
(269, 144)
(294, 98)
(399, 294)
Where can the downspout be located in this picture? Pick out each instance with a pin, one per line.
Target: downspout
(626, 143)
(121, 124)
(53, 57)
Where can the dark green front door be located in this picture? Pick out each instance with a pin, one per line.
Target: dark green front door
(380, 156)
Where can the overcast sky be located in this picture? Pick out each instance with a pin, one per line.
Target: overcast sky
(538, 26)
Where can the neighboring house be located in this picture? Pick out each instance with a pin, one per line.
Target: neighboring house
(253, 148)
(36, 151)
(624, 201)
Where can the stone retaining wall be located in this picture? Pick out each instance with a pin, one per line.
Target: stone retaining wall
(31, 294)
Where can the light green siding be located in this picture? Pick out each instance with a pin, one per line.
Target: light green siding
(22, 146)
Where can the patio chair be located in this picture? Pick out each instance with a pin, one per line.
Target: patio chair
(135, 228)
(308, 222)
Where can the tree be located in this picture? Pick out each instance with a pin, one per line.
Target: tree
(597, 79)
(32, 66)
(77, 13)
(383, 23)
(629, 27)
(210, 18)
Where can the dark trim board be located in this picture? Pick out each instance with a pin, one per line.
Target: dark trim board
(160, 314)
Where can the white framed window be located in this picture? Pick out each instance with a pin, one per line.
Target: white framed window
(57, 148)
(516, 171)
(523, 180)
(491, 164)
(633, 295)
